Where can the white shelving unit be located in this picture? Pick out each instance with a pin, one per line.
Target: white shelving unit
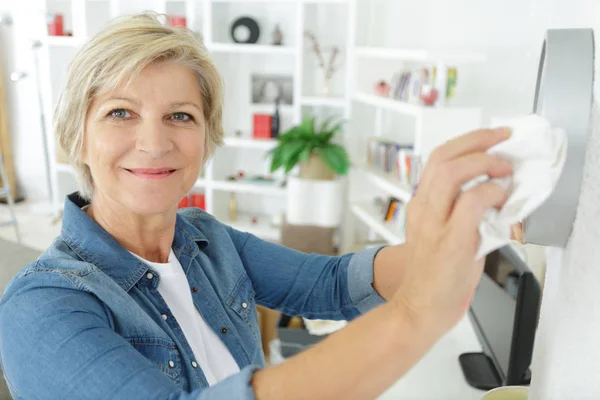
(264, 144)
(388, 184)
(236, 48)
(422, 127)
(84, 17)
(369, 215)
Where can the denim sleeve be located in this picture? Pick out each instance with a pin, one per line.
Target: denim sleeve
(56, 342)
(311, 285)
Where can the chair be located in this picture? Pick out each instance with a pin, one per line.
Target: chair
(5, 192)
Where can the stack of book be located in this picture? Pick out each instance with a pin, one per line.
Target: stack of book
(391, 158)
(417, 86)
(392, 211)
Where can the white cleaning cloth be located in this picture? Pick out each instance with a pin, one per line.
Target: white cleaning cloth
(538, 152)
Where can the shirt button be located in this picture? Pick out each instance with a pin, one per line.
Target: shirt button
(171, 364)
(195, 289)
(164, 316)
(149, 275)
(194, 364)
(244, 305)
(223, 330)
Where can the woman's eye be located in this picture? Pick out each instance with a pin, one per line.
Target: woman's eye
(182, 117)
(119, 113)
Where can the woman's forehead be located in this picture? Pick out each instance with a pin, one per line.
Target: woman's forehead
(157, 82)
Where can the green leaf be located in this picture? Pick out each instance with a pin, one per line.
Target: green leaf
(325, 125)
(336, 128)
(336, 158)
(293, 133)
(324, 138)
(276, 159)
(326, 135)
(291, 154)
(307, 128)
(306, 153)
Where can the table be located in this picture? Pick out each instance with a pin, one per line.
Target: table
(438, 375)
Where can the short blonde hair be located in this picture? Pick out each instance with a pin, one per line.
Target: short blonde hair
(117, 54)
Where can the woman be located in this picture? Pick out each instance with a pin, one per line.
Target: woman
(135, 300)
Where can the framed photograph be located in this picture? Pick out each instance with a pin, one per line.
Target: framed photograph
(267, 88)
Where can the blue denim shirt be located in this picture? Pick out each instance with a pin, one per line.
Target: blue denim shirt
(85, 320)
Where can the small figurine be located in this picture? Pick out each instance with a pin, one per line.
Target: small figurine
(429, 98)
(238, 133)
(277, 36)
(382, 88)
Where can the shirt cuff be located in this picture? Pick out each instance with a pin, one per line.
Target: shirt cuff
(236, 386)
(360, 280)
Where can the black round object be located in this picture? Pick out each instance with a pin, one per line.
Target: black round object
(252, 26)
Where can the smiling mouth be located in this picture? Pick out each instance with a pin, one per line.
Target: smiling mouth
(151, 173)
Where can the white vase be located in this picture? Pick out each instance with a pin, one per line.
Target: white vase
(314, 202)
(326, 85)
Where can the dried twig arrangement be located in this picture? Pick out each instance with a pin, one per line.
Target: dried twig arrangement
(330, 67)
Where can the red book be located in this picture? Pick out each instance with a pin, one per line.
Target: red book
(177, 21)
(198, 201)
(262, 126)
(55, 25)
(185, 202)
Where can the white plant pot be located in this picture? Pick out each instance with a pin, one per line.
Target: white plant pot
(314, 202)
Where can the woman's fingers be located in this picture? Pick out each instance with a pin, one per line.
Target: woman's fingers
(440, 171)
(452, 175)
(476, 141)
(469, 209)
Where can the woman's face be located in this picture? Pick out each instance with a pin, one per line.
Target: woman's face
(145, 142)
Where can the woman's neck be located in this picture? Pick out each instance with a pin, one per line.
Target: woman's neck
(148, 236)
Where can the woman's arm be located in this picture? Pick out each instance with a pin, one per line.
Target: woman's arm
(312, 285)
(56, 342)
(439, 277)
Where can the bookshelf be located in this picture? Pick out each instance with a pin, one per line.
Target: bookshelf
(211, 19)
(370, 216)
(388, 184)
(406, 123)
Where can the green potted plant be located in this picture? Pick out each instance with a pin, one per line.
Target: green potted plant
(313, 149)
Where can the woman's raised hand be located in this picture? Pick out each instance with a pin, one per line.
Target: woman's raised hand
(442, 236)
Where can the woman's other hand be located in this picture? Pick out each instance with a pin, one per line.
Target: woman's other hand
(442, 236)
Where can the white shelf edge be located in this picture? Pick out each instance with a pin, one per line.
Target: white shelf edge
(200, 183)
(389, 104)
(404, 107)
(367, 216)
(418, 55)
(243, 48)
(243, 187)
(394, 188)
(245, 143)
(323, 101)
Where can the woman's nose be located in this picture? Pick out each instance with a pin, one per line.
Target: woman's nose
(153, 139)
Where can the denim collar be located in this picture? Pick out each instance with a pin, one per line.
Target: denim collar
(96, 246)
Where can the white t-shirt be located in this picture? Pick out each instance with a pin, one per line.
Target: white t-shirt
(212, 355)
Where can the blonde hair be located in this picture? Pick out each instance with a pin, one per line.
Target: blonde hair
(116, 55)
